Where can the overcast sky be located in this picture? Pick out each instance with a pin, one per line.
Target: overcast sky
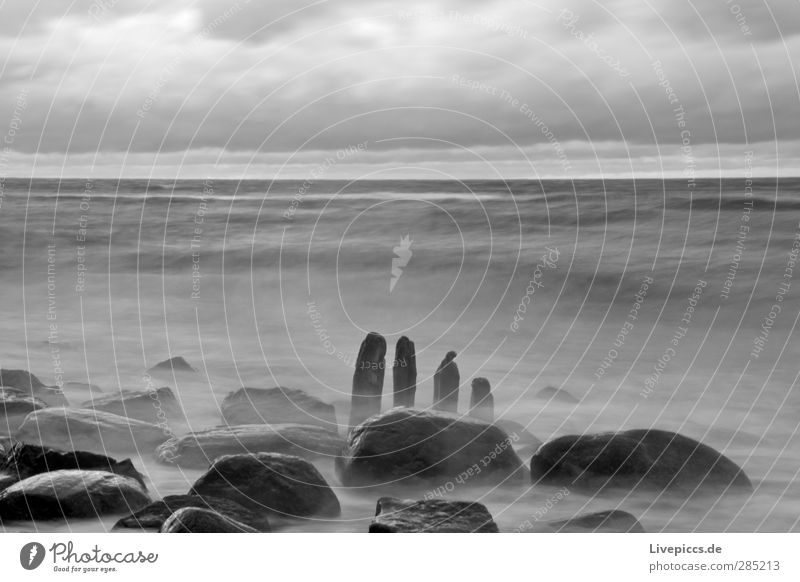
(459, 88)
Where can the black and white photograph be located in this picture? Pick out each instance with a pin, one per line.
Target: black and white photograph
(292, 268)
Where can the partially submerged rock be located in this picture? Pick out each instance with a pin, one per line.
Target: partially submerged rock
(155, 514)
(408, 444)
(174, 365)
(279, 405)
(612, 521)
(199, 449)
(156, 406)
(481, 403)
(431, 516)
(368, 378)
(89, 430)
(404, 373)
(557, 395)
(25, 460)
(197, 520)
(280, 484)
(15, 405)
(71, 493)
(27, 383)
(643, 458)
(446, 381)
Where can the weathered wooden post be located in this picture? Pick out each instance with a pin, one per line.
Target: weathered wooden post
(368, 378)
(446, 381)
(404, 373)
(481, 404)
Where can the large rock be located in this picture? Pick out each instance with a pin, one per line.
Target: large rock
(368, 378)
(154, 515)
(431, 516)
(277, 405)
(71, 493)
(613, 521)
(89, 430)
(409, 444)
(281, 484)
(15, 405)
(550, 393)
(481, 402)
(646, 458)
(156, 406)
(446, 381)
(176, 365)
(199, 449)
(197, 520)
(29, 384)
(404, 373)
(25, 460)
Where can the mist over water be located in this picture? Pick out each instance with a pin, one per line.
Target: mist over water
(533, 283)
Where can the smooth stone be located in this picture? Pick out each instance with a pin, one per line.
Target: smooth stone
(89, 430)
(71, 493)
(431, 516)
(446, 381)
(281, 484)
(197, 520)
(556, 395)
(404, 373)
(612, 521)
(647, 458)
(368, 377)
(25, 460)
(174, 365)
(277, 405)
(154, 515)
(199, 449)
(155, 406)
(425, 445)
(29, 384)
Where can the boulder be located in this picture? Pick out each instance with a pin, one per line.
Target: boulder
(277, 405)
(89, 430)
(154, 515)
(556, 395)
(404, 373)
(199, 449)
(431, 516)
(405, 444)
(15, 405)
(643, 458)
(280, 484)
(176, 365)
(29, 384)
(446, 381)
(71, 493)
(155, 406)
(197, 520)
(613, 521)
(368, 378)
(25, 460)
(481, 403)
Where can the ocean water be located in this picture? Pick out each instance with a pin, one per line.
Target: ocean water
(667, 304)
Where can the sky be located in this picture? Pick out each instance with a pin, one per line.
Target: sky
(379, 89)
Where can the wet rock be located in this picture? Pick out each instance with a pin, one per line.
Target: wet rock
(481, 404)
(647, 458)
(404, 373)
(197, 520)
(89, 430)
(199, 449)
(557, 395)
(71, 493)
(446, 381)
(368, 378)
(280, 484)
(277, 405)
(177, 365)
(25, 460)
(408, 444)
(15, 405)
(431, 516)
(154, 515)
(613, 521)
(155, 406)
(29, 384)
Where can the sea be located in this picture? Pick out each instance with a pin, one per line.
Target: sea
(670, 304)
